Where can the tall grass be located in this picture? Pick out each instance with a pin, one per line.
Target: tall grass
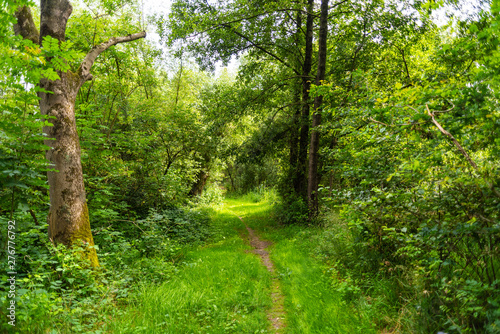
(312, 303)
(223, 288)
(219, 288)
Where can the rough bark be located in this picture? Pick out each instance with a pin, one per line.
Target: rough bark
(300, 181)
(313, 180)
(54, 15)
(68, 215)
(25, 25)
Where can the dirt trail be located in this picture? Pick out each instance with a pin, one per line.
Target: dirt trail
(276, 314)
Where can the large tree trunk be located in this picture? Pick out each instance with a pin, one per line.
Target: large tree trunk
(68, 215)
(312, 187)
(300, 181)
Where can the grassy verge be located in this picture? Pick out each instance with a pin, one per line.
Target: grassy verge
(220, 288)
(311, 302)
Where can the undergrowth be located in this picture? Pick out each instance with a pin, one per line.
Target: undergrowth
(57, 290)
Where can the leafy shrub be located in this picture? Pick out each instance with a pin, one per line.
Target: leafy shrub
(443, 274)
(212, 196)
(55, 286)
(291, 210)
(182, 225)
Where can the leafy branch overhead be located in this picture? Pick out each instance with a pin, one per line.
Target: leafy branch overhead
(359, 138)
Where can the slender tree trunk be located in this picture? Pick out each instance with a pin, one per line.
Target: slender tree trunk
(233, 188)
(300, 181)
(312, 187)
(294, 131)
(68, 215)
(178, 88)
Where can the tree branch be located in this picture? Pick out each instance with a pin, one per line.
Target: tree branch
(25, 25)
(461, 149)
(89, 59)
(449, 135)
(381, 123)
(258, 46)
(402, 51)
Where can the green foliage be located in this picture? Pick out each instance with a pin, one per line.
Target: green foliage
(231, 297)
(409, 157)
(22, 165)
(311, 303)
(212, 196)
(417, 213)
(182, 225)
(291, 210)
(55, 287)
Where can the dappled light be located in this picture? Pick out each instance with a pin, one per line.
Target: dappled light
(250, 166)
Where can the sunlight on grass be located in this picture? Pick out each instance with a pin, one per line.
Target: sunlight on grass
(311, 303)
(220, 288)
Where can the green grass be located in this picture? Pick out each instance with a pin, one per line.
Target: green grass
(311, 303)
(220, 288)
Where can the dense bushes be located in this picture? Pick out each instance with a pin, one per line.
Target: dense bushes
(291, 209)
(414, 171)
(56, 287)
(441, 274)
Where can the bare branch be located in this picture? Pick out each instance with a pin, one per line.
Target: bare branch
(375, 121)
(444, 111)
(87, 63)
(98, 16)
(409, 107)
(337, 4)
(461, 149)
(449, 135)
(402, 51)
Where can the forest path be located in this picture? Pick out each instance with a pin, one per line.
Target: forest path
(276, 314)
(222, 287)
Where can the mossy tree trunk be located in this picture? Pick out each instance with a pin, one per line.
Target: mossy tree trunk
(68, 216)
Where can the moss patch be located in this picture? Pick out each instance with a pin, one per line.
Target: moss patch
(84, 234)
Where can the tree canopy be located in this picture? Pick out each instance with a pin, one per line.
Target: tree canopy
(372, 127)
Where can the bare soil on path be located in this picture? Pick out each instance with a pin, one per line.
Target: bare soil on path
(276, 314)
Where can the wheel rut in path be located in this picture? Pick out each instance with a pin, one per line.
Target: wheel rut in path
(276, 314)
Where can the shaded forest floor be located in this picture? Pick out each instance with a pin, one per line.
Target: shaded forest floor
(225, 287)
